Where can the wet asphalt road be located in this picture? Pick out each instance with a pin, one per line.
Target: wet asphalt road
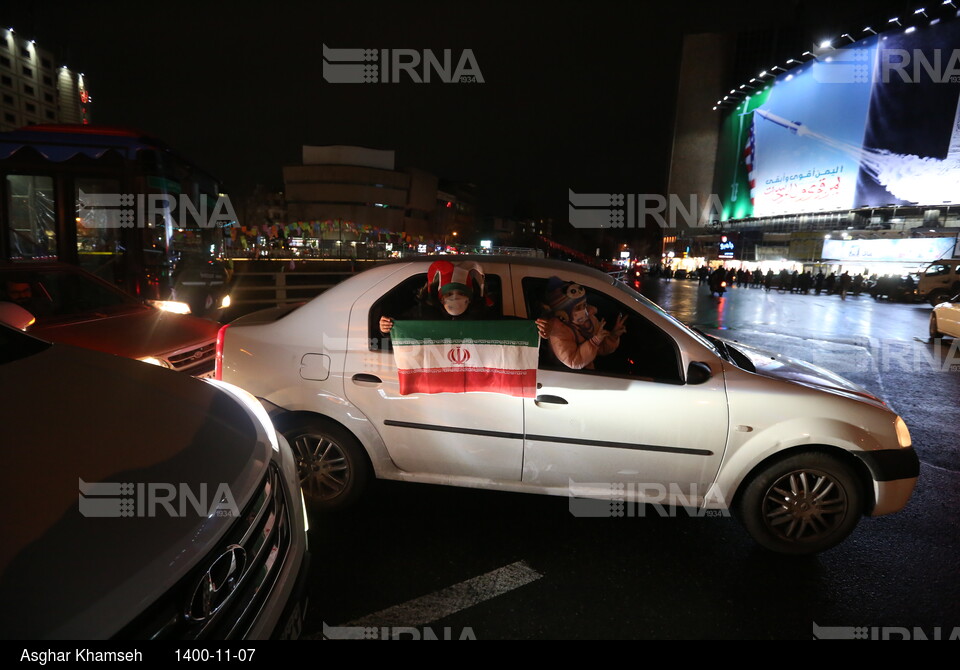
(418, 561)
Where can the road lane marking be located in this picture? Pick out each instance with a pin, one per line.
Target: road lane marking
(439, 604)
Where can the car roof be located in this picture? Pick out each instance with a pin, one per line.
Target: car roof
(531, 261)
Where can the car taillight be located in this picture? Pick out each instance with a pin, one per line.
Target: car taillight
(218, 364)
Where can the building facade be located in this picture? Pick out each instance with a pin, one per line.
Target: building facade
(34, 89)
(350, 195)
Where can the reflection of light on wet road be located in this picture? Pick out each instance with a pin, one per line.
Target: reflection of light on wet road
(790, 313)
(721, 306)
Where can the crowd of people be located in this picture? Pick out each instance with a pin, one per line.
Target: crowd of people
(886, 286)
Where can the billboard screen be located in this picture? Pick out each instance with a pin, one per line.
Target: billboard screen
(874, 124)
(889, 250)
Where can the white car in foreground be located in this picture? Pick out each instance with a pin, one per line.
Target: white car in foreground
(800, 453)
(945, 319)
(141, 503)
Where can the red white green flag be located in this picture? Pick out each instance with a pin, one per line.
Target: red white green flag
(464, 356)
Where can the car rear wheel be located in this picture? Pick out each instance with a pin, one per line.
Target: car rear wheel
(332, 464)
(803, 504)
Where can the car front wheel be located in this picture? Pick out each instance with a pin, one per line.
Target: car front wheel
(332, 464)
(803, 504)
(934, 331)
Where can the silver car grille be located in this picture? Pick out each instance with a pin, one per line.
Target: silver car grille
(196, 360)
(263, 534)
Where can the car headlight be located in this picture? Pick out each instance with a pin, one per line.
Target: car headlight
(253, 405)
(903, 433)
(225, 302)
(155, 361)
(171, 306)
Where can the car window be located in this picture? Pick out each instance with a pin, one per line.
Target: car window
(50, 295)
(644, 350)
(404, 302)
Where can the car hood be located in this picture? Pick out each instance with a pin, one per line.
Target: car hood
(80, 561)
(777, 366)
(133, 334)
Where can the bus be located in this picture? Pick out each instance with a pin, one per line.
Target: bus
(119, 204)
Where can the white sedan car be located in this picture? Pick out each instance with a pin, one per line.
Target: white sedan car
(945, 319)
(800, 453)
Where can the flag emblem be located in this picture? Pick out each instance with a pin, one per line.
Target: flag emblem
(467, 356)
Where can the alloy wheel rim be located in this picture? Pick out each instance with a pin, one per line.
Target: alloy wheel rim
(804, 505)
(324, 471)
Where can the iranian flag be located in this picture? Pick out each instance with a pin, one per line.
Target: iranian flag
(462, 356)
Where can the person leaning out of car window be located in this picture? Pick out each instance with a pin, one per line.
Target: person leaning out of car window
(452, 292)
(576, 335)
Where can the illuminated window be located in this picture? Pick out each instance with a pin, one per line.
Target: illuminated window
(31, 217)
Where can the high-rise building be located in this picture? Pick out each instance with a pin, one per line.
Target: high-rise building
(34, 89)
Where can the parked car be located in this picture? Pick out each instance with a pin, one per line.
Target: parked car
(72, 306)
(799, 452)
(140, 503)
(945, 318)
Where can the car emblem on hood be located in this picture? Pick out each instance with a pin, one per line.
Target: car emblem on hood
(218, 583)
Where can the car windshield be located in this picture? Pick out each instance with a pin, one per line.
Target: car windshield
(15, 345)
(700, 337)
(56, 294)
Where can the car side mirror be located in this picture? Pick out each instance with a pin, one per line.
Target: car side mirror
(15, 316)
(698, 373)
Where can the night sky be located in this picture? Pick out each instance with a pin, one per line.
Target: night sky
(577, 95)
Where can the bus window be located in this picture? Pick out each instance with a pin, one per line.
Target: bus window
(98, 225)
(32, 217)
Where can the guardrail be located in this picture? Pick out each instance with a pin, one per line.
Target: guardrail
(264, 289)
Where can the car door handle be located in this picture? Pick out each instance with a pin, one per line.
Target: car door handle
(363, 378)
(550, 399)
